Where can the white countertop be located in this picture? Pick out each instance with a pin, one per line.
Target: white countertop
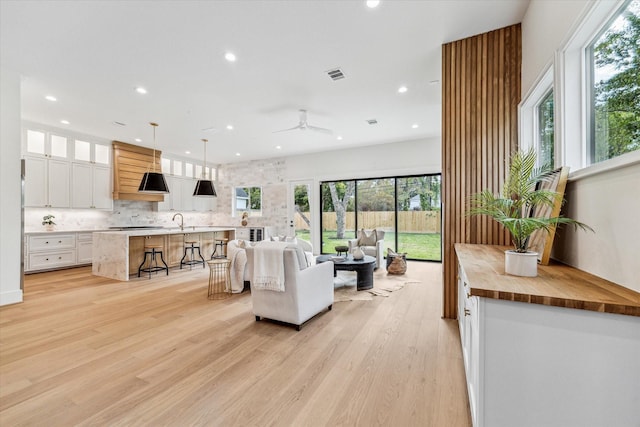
(164, 231)
(84, 230)
(135, 232)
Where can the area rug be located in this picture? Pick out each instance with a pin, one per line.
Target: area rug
(345, 288)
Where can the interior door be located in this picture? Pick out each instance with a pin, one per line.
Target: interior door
(301, 217)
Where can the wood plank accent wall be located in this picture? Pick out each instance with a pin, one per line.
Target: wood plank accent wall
(130, 162)
(480, 96)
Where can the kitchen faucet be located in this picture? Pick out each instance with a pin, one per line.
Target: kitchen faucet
(181, 220)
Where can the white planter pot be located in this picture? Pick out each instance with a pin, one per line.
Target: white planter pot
(521, 264)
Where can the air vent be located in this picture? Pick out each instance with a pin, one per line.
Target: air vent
(119, 124)
(336, 74)
(372, 121)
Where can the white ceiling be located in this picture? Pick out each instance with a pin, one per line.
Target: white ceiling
(92, 54)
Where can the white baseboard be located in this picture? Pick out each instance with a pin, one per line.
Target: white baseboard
(11, 297)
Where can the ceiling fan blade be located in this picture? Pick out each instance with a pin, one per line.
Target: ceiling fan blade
(318, 129)
(287, 130)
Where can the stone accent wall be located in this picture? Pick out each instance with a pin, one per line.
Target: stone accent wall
(270, 175)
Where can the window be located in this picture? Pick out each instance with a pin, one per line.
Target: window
(248, 199)
(546, 131)
(406, 208)
(614, 86)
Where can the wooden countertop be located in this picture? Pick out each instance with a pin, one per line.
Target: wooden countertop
(556, 285)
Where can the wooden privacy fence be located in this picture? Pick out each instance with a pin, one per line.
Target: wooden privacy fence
(408, 221)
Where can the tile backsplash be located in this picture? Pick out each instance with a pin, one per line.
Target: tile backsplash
(125, 213)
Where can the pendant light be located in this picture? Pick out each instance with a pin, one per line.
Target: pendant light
(153, 182)
(204, 186)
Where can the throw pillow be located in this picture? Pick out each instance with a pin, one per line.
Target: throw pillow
(367, 239)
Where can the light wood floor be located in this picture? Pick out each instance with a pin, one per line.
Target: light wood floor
(83, 350)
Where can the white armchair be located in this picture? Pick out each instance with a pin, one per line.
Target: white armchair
(371, 243)
(308, 290)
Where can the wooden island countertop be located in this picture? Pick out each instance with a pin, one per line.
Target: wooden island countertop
(556, 285)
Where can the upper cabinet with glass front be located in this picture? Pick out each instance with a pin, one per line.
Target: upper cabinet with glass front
(91, 152)
(39, 143)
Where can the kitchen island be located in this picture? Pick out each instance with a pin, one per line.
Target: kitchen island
(118, 254)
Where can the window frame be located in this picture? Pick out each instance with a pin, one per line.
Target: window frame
(571, 97)
(237, 212)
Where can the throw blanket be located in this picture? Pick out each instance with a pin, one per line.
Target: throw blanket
(268, 266)
(238, 257)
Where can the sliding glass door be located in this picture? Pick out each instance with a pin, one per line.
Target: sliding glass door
(375, 204)
(406, 208)
(419, 225)
(338, 215)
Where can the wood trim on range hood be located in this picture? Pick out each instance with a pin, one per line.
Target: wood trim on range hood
(130, 162)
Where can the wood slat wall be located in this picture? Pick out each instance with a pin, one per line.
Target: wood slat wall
(480, 96)
(130, 162)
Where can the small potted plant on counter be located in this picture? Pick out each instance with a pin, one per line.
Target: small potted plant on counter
(516, 209)
(47, 221)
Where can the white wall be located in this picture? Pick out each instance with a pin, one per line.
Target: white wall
(400, 158)
(544, 27)
(10, 185)
(606, 201)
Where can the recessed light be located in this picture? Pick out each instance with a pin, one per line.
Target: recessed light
(141, 90)
(64, 122)
(238, 154)
(229, 127)
(51, 98)
(402, 89)
(278, 147)
(137, 140)
(414, 126)
(339, 137)
(229, 56)
(373, 3)
(187, 152)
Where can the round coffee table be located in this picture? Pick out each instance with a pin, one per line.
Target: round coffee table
(363, 268)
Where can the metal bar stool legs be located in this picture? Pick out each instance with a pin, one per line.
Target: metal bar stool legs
(153, 267)
(192, 247)
(220, 243)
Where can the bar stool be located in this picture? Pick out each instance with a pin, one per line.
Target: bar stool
(152, 251)
(222, 243)
(191, 246)
(219, 278)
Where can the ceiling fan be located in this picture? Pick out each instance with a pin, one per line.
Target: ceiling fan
(303, 125)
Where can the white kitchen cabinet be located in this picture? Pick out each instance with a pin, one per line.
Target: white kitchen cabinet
(91, 186)
(47, 183)
(51, 250)
(532, 361)
(84, 248)
(173, 200)
(188, 185)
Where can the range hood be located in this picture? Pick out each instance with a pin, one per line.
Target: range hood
(130, 162)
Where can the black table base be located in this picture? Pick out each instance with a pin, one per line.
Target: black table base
(363, 268)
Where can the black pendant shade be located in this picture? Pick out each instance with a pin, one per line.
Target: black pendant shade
(204, 188)
(153, 182)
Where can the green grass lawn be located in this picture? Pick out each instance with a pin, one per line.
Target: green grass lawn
(420, 246)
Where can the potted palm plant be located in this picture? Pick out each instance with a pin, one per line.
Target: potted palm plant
(516, 209)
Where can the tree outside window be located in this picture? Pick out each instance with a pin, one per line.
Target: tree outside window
(615, 114)
(546, 130)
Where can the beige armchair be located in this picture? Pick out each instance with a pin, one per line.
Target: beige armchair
(371, 242)
(307, 290)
